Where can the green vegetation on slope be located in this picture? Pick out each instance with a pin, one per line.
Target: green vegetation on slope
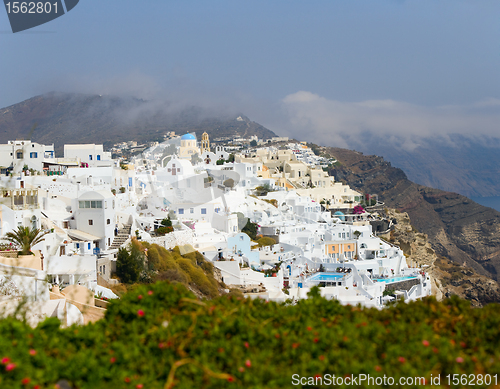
(160, 335)
(145, 263)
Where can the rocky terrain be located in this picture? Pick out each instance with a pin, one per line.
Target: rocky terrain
(447, 277)
(458, 229)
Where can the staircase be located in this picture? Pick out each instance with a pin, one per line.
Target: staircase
(121, 238)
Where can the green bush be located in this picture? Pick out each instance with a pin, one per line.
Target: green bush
(160, 335)
(130, 262)
(166, 222)
(250, 229)
(265, 241)
(164, 230)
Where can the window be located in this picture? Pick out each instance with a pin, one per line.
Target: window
(88, 246)
(91, 222)
(98, 157)
(108, 221)
(130, 181)
(90, 204)
(90, 157)
(33, 155)
(19, 155)
(181, 211)
(191, 210)
(203, 211)
(78, 245)
(103, 269)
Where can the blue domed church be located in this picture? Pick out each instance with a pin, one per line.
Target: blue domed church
(188, 146)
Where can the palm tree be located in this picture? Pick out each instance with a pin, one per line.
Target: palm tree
(26, 238)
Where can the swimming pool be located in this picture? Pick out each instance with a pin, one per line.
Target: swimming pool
(393, 279)
(325, 277)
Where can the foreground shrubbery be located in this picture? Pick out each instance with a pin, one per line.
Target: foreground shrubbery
(160, 335)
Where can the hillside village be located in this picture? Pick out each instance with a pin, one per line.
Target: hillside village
(219, 197)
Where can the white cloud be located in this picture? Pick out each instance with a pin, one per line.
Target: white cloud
(337, 123)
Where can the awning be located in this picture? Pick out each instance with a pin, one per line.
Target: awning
(82, 236)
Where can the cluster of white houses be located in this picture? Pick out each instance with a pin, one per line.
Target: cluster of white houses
(91, 205)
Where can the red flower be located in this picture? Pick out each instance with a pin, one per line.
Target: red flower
(139, 386)
(150, 292)
(402, 359)
(425, 343)
(139, 297)
(10, 366)
(247, 345)
(230, 378)
(295, 345)
(112, 360)
(5, 360)
(277, 336)
(463, 345)
(315, 340)
(435, 350)
(378, 368)
(309, 328)
(321, 357)
(140, 313)
(248, 363)
(459, 360)
(25, 381)
(127, 379)
(221, 350)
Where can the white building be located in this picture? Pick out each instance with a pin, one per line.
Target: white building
(91, 155)
(95, 215)
(17, 154)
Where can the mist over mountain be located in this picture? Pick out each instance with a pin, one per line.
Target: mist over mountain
(61, 118)
(455, 163)
(450, 147)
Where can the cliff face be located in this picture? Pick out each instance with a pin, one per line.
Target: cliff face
(447, 278)
(458, 228)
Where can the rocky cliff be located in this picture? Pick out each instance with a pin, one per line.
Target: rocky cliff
(447, 277)
(459, 229)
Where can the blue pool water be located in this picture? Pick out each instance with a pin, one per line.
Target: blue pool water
(393, 279)
(326, 277)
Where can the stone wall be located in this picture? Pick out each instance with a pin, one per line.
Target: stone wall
(175, 238)
(402, 285)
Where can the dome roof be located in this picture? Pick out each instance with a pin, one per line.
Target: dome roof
(188, 137)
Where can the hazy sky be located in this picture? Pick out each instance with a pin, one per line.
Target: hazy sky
(324, 65)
